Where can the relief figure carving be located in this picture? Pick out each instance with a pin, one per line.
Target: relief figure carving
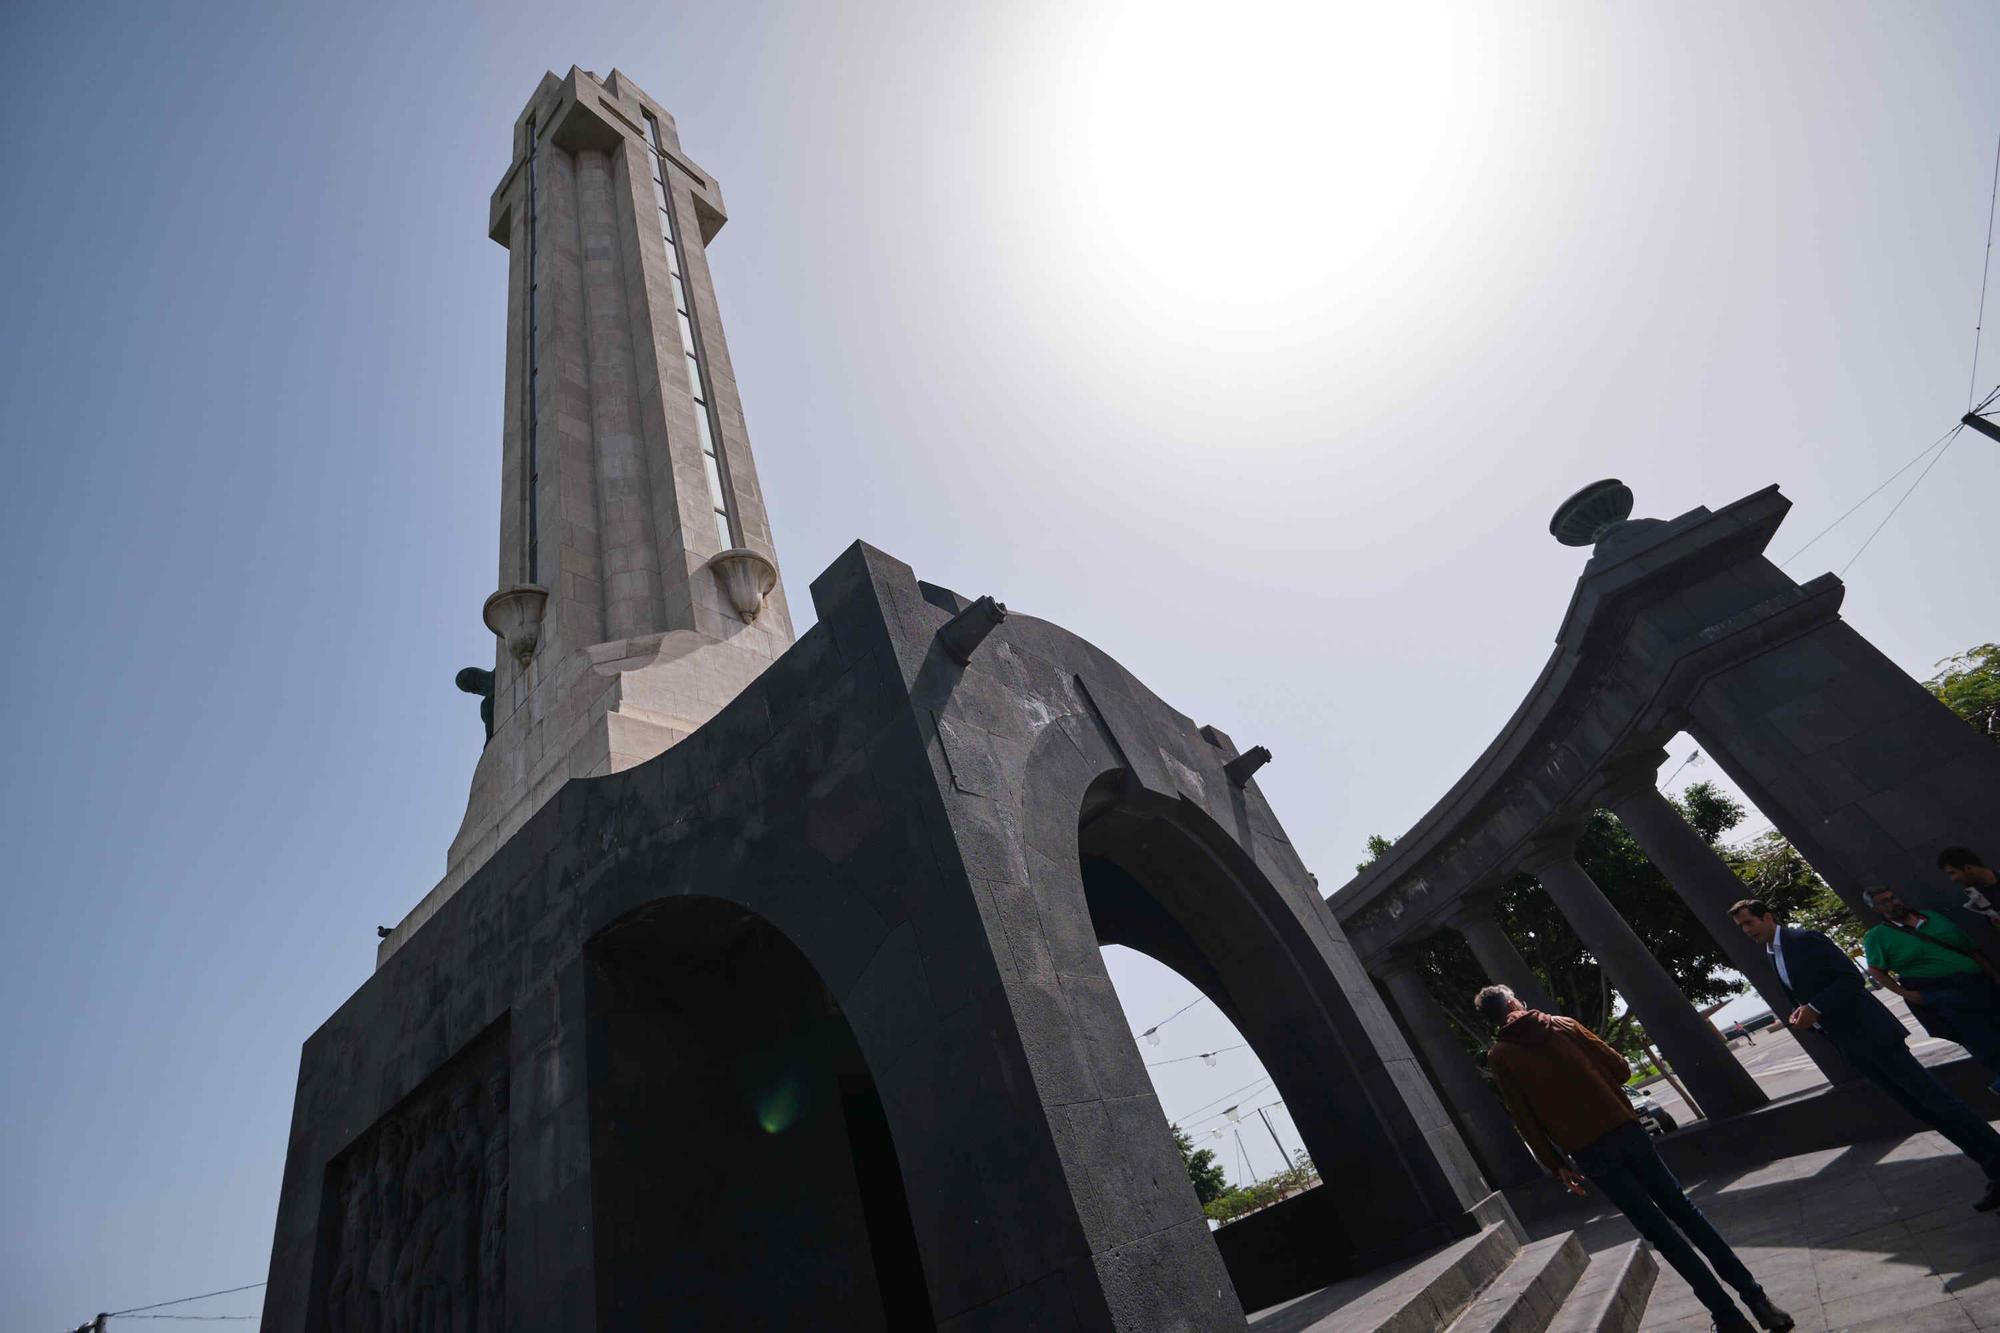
(417, 1233)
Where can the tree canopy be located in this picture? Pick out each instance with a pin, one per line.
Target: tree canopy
(1969, 685)
(1243, 1199)
(1772, 869)
(1204, 1172)
(1378, 846)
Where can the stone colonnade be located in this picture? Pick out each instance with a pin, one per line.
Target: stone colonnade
(1708, 886)
(1697, 1052)
(1676, 626)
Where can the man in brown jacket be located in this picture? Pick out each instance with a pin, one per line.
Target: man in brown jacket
(1566, 1092)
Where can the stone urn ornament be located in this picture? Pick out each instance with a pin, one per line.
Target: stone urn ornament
(1587, 517)
(746, 578)
(515, 615)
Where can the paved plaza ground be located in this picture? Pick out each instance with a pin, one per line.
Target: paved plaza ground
(1878, 1236)
(1781, 1068)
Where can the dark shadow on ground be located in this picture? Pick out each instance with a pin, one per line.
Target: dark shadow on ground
(1874, 1237)
(1877, 1235)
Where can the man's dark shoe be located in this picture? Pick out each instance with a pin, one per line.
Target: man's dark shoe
(1733, 1323)
(1768, 1315)
(1989, 1200)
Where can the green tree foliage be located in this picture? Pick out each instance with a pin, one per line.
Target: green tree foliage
(1204, 1172)
(1378, 846)
(1969, 685)
(1772, 869)
(1235, 1202)
(1710, 810)
(1685, 946)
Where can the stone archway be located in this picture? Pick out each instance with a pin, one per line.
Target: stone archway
(1153, 885)
(742, 1170)
(1114, 859)
(866, 868)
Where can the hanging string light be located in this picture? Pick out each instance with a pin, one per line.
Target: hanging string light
(1152, 1034)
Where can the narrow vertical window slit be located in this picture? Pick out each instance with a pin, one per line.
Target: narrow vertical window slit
(705, 421)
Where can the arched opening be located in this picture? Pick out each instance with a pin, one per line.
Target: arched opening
(1159, 881)
(742, 1170)
(1212, 1086)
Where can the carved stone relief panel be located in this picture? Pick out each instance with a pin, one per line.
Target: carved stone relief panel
(414, 1233)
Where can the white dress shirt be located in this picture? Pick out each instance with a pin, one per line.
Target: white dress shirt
(1778, 958)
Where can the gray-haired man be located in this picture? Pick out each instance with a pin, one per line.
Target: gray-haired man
(1566, 1091)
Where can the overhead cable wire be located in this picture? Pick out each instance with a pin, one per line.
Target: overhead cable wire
(1985, 268)
(1235, 1106)
(1242, 1111)
(1971, 388)
(1204, 1055)
(161, 1305)
(1949, 440)
(1956, 428)
(1152, 1034)
(1196, 1117)
(1247, 1087)
(183, 1315)
(1987, 401)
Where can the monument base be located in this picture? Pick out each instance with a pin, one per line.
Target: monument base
(649, 694)
(805, 1022)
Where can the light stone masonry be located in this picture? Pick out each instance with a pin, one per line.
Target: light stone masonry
(640, 639)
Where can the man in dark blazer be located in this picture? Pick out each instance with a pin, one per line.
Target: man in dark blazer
(1827, 989)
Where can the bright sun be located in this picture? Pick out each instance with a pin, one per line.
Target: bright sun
(1240, 156)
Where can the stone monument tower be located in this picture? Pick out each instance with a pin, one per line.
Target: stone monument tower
(791, 1010)
(638, 587)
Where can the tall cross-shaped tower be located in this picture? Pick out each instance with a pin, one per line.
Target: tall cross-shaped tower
(638, 586)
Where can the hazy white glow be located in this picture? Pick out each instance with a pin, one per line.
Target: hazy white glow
(1237, 160)
(1254, 210)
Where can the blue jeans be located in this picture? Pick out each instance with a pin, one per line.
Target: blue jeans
(1624, 1165)
(1970, 1008)
(1891, 1066)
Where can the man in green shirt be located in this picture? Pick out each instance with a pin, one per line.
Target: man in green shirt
(1930, 962)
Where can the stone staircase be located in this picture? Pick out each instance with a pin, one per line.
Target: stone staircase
(1488, 1283)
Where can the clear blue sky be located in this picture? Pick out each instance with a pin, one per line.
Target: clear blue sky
(1256, 344)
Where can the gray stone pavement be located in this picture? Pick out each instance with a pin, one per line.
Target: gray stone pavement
(1781, 1067)
(1877, 1236)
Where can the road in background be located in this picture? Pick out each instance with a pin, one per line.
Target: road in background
(1781, 1067)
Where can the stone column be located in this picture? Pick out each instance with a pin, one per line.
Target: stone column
(1502, 962)
(1702, 1061)
(566, 498)
(629, 560)
(1708, 886)
(1870, 774)
(1847, 880)
(1488, 1129)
